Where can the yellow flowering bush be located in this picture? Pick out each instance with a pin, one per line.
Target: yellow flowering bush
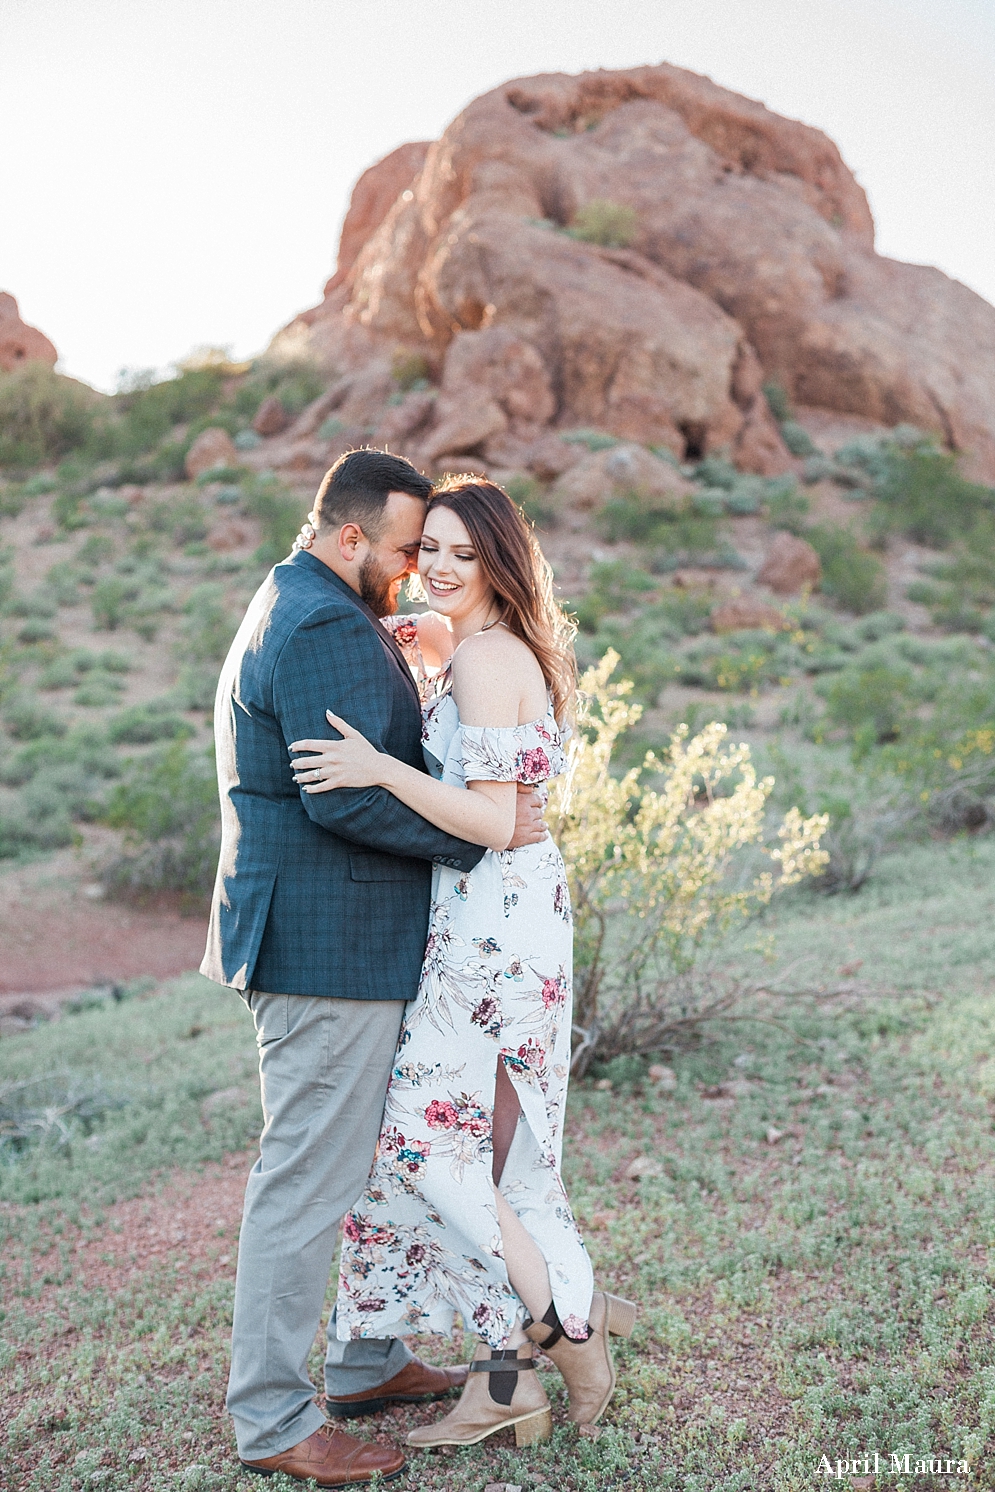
(655, 873)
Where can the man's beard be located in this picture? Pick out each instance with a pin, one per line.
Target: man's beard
(375, 587)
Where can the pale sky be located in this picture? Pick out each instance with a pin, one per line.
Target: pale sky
(175, 172)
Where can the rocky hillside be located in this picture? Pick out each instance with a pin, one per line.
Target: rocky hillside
(637, 252)
(800, 555)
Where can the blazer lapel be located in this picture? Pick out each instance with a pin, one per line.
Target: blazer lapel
(310, 562)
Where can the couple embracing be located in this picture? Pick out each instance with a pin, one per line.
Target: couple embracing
(396, 917)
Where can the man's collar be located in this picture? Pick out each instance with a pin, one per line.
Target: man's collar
(307, 561)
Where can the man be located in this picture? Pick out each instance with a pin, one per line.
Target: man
(319, 918)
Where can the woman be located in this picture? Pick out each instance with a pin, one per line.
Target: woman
(465, 1209)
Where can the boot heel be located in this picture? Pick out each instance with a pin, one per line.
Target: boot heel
(621, 1316)
(536, 1428)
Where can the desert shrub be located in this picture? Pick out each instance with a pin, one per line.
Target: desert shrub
(740, 662)
(208, 629)
(12, 500)
(62, 583)
(961, 588)
(85, 746)
(42, 415)
(234, 474)
(685, 609)
(534, 501)
(166, 463)
(871, 700)
(410, 370)
(35, 630)
(184, 519)
(139, 725)
(27, 828)
(167, 802)
(710, 502)
(294, 383)
(851, 576)
(673, 529)
(62, 787)
(69, 510)
(778, 401)
(196, 686)
(130, 600)
(644, 642)
(50, 1112)
(592, 440)
(601, 221)
(95, 550)
(208, 626)
(787, 508)
(874, 626)
(98, 690)
(944, 747)
(748, 496)
(613, 585)
(279, 512)
(28, 720)
(659, 876)
(716, 471)
(868, 460)
(797, 439)
(59, 674)
(41, 483)
(147, 411)
(920, 493)
(38, 604)
(110, 600)
(188, 523)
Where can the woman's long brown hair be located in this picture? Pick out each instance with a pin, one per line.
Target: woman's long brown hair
(521, 577)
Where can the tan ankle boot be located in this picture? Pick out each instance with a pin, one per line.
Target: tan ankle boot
(502, 1390)
(587, 1367)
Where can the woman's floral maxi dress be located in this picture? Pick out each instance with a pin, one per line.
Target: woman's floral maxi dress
(423, 1244)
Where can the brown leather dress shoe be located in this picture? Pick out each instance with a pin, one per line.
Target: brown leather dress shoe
(333, 1459)
(415, 1382)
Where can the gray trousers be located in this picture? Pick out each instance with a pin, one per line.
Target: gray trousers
(323, 1066)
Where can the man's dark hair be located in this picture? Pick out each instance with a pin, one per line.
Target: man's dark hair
(356, 489)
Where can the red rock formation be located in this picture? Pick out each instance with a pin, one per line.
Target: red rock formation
(790, 565)
(744, 614)
(212, 448)
(373, 196)
(751, 257)
(271, 417)
(19, 343)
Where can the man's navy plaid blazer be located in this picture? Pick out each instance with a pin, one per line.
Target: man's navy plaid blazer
(325, 894)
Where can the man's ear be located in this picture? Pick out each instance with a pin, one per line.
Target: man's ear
(349, 540)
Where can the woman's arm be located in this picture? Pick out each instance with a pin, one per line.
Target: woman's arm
(485, 815)
(489, 682)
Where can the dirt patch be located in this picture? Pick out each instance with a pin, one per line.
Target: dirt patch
(59, 935)
(192, 1219)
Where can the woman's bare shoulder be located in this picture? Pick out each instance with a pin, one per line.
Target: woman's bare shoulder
(495, 648)
(496, 679)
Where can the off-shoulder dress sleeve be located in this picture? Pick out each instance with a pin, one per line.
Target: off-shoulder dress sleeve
(516, 753)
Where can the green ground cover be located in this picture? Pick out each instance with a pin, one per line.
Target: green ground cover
(811, 1239)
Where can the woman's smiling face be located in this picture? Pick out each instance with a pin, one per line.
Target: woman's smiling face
(451, 573)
